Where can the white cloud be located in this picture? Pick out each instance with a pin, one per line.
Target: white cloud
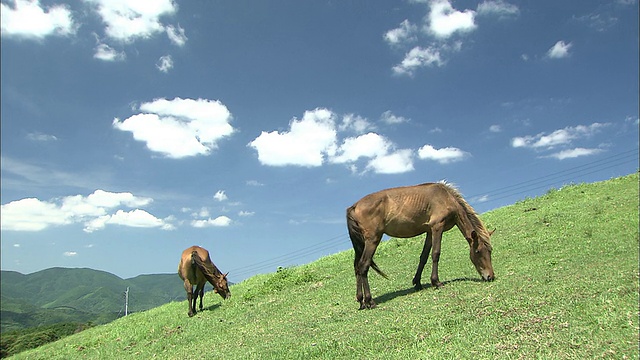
(559, 50)
(418, 57)
(179, 128)
(254, 183)
(31, 214)
(220, 195)
(70, 253)
(128, 20)
(405, 33)
(444, 20)
(165, 63)
(355, 123)
(370, 145)
(34, 215)
(499, 8)
(398, 162)
(443, 156)
(40, 137)
(574, 153)
(306, 143)
(559, 137)
(107, 53)
(246, 213)
(495, 128)
(220, 221)
(27, 19)
(176, 35)
(388, 117)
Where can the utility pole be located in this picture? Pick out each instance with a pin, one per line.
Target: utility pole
(126, 302)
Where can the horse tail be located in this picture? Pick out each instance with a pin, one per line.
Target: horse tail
(357, 239)
(196, 261)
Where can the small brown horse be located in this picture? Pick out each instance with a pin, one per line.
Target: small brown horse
(410, 211)
(196, 268)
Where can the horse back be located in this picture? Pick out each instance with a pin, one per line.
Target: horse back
(405, 211)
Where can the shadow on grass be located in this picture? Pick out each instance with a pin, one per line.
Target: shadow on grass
(212, 307)
(404, 292)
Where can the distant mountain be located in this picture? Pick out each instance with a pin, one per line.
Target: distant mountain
(81, 295)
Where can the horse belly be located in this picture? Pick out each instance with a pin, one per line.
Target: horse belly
(405, 228)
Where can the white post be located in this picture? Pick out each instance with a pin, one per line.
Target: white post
(126, 302)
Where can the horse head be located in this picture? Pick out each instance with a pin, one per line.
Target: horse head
(222, 286)
(480, 253)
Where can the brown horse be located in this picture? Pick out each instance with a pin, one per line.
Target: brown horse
(196, 268)
(410, 211)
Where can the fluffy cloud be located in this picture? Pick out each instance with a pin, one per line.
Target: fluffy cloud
(165, 63)
(559, 137)
(370, 145)
(499, 8)
(105, 52)
(220, 195)
(388, 117)
(27, 19)
(559, 50)
(127, 20)
(179, 128)
(93, 211)
(398, 162)
(176, 35)
(314, 141)
(444, 20)
(444, 156)
(220, 221)
(405, 33)
(307, 143)
(135, 218)
(562, 138)
(418, 57)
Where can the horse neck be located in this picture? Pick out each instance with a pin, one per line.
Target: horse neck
(469, 221)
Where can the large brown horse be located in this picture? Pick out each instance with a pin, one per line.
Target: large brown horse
(410, 211)
(196, 268)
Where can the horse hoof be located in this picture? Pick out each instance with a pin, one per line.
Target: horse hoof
(418, 287)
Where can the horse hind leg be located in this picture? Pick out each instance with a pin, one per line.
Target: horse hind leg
(363, 293)
(189, 289)
(201, 294)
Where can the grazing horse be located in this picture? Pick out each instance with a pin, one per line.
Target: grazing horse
(196, 268)
(407, 212)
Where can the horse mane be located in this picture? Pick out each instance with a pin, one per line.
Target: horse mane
(477, 224)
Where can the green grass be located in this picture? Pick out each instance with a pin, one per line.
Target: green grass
(567, 287)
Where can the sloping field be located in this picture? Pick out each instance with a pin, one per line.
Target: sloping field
(567, 287)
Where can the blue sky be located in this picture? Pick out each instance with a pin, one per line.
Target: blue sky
(134, 129)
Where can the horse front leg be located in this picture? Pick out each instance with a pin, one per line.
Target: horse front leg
(435, 257)
(424, 256)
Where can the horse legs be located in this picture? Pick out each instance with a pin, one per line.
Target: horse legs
(363, 292)
(201, 293)
(435, 257)
(424, 256)
(189, 289)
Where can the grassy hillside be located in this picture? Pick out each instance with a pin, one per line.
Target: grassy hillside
(567, 287)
